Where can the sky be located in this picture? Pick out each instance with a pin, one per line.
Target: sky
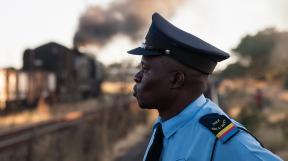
(30, 23)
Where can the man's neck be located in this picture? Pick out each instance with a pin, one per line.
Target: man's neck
(176, 107)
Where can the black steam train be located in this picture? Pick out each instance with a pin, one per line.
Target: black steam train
(53, 72)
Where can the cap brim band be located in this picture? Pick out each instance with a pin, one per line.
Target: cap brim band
(141, 51)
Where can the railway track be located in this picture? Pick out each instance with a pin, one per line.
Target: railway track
(25, 134)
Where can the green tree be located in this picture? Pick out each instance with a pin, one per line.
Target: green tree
(255, 51)
(263, 55)
(235, 70)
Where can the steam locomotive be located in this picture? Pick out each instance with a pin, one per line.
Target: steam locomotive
(53, 72)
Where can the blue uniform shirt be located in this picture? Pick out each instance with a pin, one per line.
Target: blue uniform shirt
(185, 139)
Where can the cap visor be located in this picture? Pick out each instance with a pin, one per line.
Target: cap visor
(141, 51)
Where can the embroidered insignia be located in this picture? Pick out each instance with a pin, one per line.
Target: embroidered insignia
(220, 126)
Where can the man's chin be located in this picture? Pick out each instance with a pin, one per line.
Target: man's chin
(144, 106)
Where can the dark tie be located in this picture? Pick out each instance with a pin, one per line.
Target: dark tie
(155, 150)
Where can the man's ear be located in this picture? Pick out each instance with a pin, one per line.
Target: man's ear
(177, 79)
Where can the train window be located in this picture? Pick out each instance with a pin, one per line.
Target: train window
(23, 85)
(38, 62)
(2, 85)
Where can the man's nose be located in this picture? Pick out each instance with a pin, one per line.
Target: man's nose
(138, 77)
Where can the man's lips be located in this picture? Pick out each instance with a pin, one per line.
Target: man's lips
(134, 90)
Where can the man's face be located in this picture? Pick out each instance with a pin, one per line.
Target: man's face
(152, 84)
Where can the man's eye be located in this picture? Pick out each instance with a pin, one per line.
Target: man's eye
(144, 68)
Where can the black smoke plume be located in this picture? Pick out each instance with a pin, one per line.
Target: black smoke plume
(127, 17)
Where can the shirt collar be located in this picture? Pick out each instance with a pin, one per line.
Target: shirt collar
(173, 124)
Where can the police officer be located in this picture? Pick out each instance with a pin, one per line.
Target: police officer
(174, 70)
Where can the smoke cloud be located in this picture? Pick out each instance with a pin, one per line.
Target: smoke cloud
(127, 17)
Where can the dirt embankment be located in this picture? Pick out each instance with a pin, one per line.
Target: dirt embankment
(89, 139)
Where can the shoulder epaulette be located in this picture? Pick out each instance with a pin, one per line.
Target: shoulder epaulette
(220, 126)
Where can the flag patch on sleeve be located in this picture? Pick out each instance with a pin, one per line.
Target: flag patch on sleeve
(220, 126)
